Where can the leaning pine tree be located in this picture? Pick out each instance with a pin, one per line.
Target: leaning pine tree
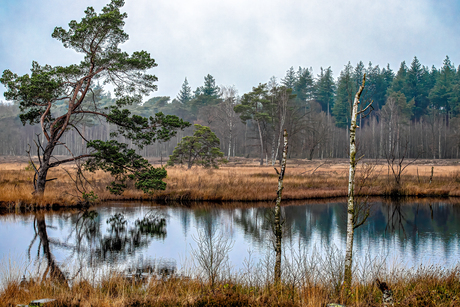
(97, 37)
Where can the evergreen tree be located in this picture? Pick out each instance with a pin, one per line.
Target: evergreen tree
(399, 82)
(97, 37)
(325, 90)
(377, 85)
(185, 94)
(290, 79)
(197, 92)
(416, 87)
(442, 93)
(210, 89)
(303, 86)
(205, 96)
(200, 149)
(344, 97)
(388, 75)
(358, 75)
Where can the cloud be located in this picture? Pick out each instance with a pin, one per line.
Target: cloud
(243, 43)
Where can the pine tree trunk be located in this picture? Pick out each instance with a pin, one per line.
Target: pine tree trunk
(40, 184)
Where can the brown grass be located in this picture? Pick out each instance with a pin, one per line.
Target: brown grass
(238, 181)
(424, 287)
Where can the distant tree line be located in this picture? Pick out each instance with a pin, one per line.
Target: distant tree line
(416, 113)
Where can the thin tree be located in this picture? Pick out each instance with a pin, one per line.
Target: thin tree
(277, 227)
(352, 221)
(226, 114)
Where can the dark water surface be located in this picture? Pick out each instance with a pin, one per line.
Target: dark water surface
(116, 234)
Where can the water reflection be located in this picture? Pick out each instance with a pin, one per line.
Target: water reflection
(414, 233)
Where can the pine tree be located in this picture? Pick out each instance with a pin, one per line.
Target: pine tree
(303, 86)
(185, 94)
(377, 86)
(442, 93)
(200, 149)
(416, 87)
(399, 81)
(344, 97)
(210, 89)
(358, 75)
(98, 37)
(290, 79)
(325, 90)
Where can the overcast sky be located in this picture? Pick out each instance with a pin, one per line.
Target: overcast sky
(243, 43)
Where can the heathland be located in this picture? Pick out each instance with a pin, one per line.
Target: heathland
(240, 180)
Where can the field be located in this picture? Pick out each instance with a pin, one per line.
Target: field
(240, 180)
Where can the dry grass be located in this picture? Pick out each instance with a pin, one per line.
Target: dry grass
(424, 287)
(238, 181)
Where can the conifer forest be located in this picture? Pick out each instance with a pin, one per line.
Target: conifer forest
(415, 113)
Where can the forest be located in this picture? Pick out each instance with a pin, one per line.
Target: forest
(415, 114)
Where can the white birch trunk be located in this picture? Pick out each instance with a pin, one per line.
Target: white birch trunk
(351, 189)
(277, 223)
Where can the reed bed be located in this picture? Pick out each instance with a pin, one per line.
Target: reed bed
(237, 182)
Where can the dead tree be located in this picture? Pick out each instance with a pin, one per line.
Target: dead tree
(352, 222)
(277, 227)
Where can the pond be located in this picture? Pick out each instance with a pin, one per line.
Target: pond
(124, 234)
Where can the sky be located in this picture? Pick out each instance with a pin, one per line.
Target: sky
(242, 43)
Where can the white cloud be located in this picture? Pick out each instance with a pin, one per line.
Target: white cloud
(241, 42)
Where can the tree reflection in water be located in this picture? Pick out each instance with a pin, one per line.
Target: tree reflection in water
(52, 270)
(413, 231)
(87, 242)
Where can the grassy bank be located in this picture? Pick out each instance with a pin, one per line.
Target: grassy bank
(241, 180)
(424, 287)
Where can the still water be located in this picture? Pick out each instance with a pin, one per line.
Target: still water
(117, 234)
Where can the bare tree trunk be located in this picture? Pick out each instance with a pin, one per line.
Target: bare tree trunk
(261, 145)
(439, 139)
(229, 143)
(277, 223)
(381, 138)
(351, 189)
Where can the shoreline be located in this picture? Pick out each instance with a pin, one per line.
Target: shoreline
(239, 181)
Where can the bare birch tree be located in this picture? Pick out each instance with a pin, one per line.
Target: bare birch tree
(352, 222)
(226, 114)
(277, 229)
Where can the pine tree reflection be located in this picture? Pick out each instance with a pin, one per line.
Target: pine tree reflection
(87, 242)
(52, 270)
(123, 239)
